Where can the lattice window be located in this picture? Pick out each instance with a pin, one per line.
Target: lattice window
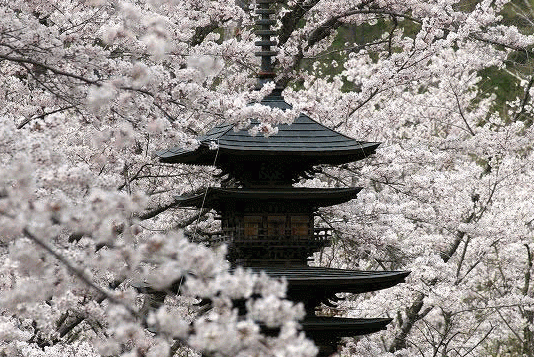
(276, 226)
(300, 226)
(252, 225)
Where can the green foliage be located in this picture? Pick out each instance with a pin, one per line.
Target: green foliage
(501, 83)
(504, 83)
(512, 347)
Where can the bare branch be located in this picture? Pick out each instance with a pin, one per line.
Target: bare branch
(526, 285)
(412, 316)
(79, 273)
(45, 66)
(27, 120)
(526, 97)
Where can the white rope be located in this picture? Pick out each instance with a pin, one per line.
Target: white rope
(195, 234)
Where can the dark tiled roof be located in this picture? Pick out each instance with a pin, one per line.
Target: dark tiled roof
(335, 280)
(319, 327)
(304, 134)
(327, 328)
(304, 137)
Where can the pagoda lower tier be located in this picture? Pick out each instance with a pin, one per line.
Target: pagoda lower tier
(316, 285)
(327, 332)
(312, 286)
(272, 230)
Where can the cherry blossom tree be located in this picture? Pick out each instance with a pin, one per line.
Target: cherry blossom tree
(88, 217)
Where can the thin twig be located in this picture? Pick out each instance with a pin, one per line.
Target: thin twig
(27, 120)
(460, 110)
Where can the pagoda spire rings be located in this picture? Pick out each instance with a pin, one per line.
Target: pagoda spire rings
(264, 31)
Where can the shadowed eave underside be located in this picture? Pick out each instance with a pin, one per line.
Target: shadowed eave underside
(321, 197)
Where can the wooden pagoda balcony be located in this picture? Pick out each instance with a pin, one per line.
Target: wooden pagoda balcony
(282, 248)
(237, 236)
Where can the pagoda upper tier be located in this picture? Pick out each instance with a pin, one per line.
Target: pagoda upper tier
(261, 160)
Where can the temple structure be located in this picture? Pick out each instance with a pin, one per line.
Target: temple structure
(267, 223)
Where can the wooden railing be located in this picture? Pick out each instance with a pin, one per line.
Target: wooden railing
(237, 235)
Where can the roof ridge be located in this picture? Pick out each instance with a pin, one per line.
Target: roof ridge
(302, 114)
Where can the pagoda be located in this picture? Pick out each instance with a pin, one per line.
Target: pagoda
(267, 223)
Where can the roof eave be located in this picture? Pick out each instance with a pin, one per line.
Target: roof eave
(321, 197)
(204, 156)
(200, 156)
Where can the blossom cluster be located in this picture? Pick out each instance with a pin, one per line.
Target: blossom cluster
(97, 260)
